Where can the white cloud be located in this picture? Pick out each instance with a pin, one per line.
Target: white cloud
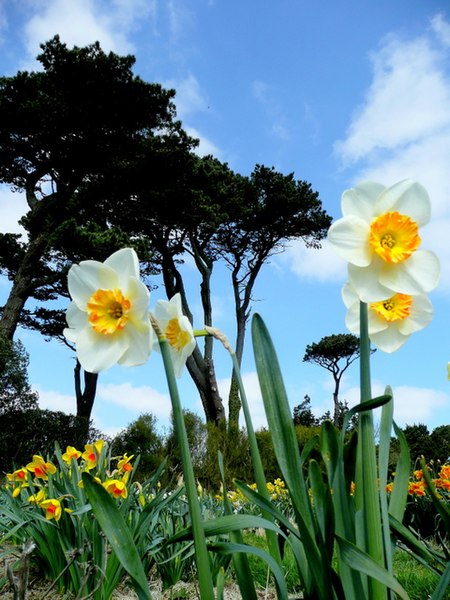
(409, 99)
(51, 400)
(266, 97)
(441, 28)
(307, 263)
(412, 405)
(205, 146)
(190, 97)
(139, 399)
(86, 21)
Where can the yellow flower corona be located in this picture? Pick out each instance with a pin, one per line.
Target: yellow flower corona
(394, 237)
(108, 311)
(395, 308)
(178, 338)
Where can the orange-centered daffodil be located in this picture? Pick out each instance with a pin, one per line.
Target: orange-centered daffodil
(176, 329)
(390, 321)
(108, 317)
(379, 238)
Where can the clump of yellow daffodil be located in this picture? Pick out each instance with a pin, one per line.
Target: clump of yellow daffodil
(379, 238)
(108, 317)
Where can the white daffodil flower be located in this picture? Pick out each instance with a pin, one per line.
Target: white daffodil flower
(390, 321)
(177, 330)
(108, 318)
(379, 237)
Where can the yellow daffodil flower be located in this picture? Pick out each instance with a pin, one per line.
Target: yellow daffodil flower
(390, 321)
(124, 463)
(40, 468)
(177, 329)
(116, 488)
(91, 454)
(108, 317)
(70, 453)
(52, 509)
(379, 238)
(17, 475)
(37, 498)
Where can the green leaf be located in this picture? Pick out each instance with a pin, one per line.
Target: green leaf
(399, 492)
(418, 548)
(118, 534)
(440, 593)
(285, 445)
(362, 562)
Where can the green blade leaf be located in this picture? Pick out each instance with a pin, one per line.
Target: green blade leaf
(118, 534)
(362, 562)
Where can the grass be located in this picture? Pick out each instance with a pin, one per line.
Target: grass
(418, 581)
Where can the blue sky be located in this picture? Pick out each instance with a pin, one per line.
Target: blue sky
(336, 92)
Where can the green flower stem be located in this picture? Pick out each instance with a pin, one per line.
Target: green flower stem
(369, 530)
(205, 583)
(258, 469)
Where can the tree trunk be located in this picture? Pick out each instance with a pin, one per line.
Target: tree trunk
(23, 285)
(200, 366)
(85, 398)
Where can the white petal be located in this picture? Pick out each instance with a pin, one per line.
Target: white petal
(97, 352)
(349, 296)
(352, 318)
(365, 282)
(421, 316)
(360, 200)
(76, 320)
(374, 322)
(389, 340)
(139, 346)
(416, 275)
(349, 237)
(87, 277)
(139, 296)
(126, 264)
(408, 198)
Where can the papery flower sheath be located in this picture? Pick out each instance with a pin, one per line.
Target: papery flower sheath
(390, 321)
(108, 318)
(379, 238)
(177, 329)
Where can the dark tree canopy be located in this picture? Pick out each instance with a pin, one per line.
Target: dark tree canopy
(104, 164)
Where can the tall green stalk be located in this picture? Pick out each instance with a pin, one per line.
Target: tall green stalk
(205, 583)
(368, 531)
